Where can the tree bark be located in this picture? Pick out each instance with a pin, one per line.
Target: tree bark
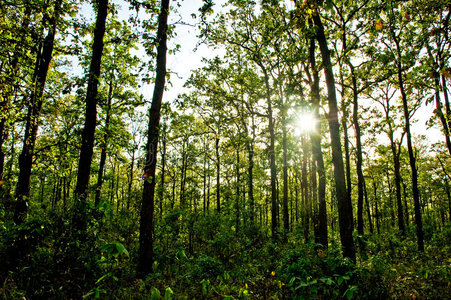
(87, 137)
(32, 122)
(145, 255)
(344, 202)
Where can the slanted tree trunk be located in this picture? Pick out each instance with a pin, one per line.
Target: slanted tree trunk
(32, 121)
(87, 136)
(145, 255)
(344, 202)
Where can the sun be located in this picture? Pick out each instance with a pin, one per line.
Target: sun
(305, 123)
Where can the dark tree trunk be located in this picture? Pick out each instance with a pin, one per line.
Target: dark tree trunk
(104, 146)
(32, 122)
(304, 189)
(130, 183)
(205, 171)
(218, 178)
(237, 203)
(145, 255)
(396, 154)
(368, 212)
(317, 152)
(286, 222)
(87, 137)
(376, 212)
(163, 174)
(344, 202)
(360, 178)
(412, 160)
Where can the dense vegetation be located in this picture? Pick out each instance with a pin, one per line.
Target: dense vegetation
(309, 159)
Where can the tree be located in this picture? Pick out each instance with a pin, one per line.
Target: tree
(87, 137)
(145, 258)
(34, 110)
(344, 202)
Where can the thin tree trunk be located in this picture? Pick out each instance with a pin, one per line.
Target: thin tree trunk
(163, 174)
(32, 122)
(237, 203)
(344, 202)
(304, 189)
(376, 208)
(286, 222)
(412, 160)
(130, 183)
(272, 157)
(368, 212)
(104, 146)
(218, 179)
(145, 255)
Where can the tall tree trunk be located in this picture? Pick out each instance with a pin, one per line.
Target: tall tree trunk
(272, 157)
(344, 202)
(412, 160)
(218, 179)
(286, 222)
(32, 122)
(368, 212)
(317, 152)
(163, 173)
(376, 213)
(237, 203)
(145, 255)
(205, 171)
(304, 189)
(87, 136)
(130, 183)
(104, 146)
(360, 178)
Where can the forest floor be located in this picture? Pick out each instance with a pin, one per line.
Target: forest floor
(208, 259)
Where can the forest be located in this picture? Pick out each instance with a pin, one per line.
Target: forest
(306, 156)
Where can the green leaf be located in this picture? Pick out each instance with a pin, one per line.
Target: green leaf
(121, 249)
(155, 294)
(349, 293)
(168, 294)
